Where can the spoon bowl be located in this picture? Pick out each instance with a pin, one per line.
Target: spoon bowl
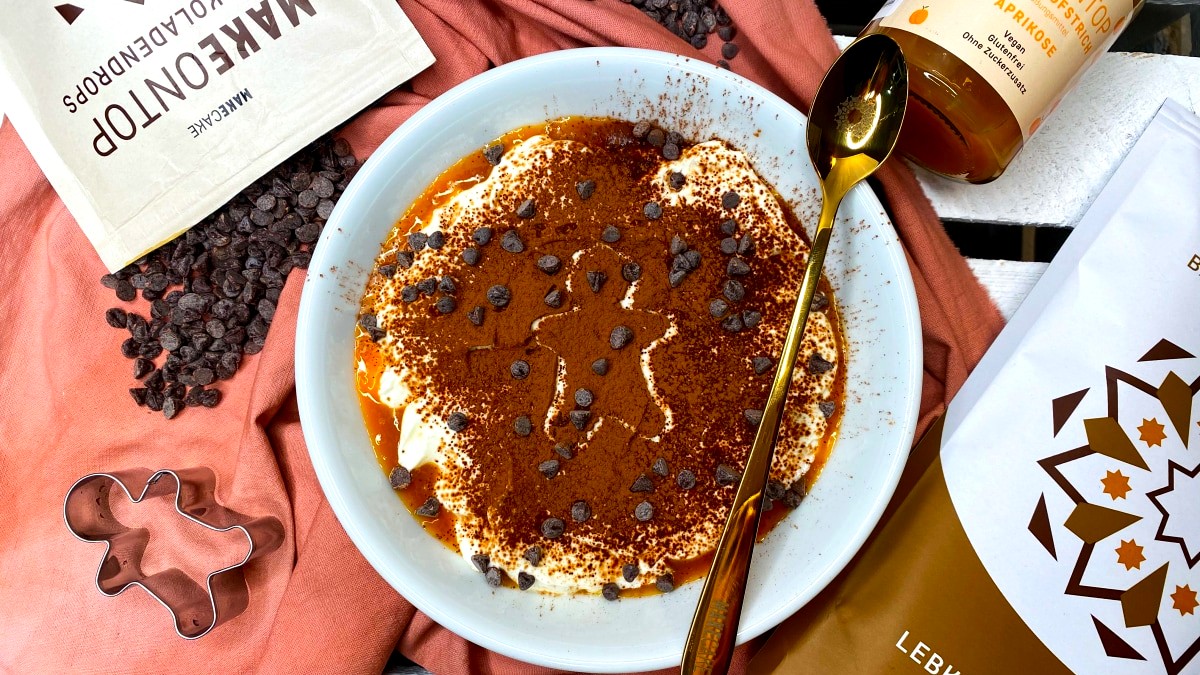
(852, 128)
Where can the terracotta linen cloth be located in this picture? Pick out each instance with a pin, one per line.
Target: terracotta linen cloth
(315, 606)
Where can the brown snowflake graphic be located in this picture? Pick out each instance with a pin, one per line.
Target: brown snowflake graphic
(1174, 475)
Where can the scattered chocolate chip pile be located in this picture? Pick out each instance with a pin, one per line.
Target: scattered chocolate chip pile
(693, 21)
(213, 291)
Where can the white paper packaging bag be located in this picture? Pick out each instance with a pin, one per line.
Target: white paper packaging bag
(147, 115)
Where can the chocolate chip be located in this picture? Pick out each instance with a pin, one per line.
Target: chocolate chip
(733, 323)
(552, 528)
(685, 479)
(660, 467)
(610, 235)
(116, 317)
(753, 416)
(729, 227)
(554, 298)
(584, 398)
(746, 245)
(142, 367)
(470, 255)
(109, 281)
(534, 555)
(817, 365)
(631, 272)
(131, 348)
(629, 572)
(481, 562)
(580, 418)
(774, 490)
(204, 376)
(676, 277)
(729, 50)
(761, 364)
(493, 577)
(436, 240)
(600, 367)
(726, 33)
(585, 189)
(729, 247)
(519, 369)
(445, 304)
(610, 591)
(548, 468)
(522, 426)
(410, 293)
(493, 153)
(404, 259)
(482, 235)
(427, 286)
(475, 316)
(550, 264)
(656, 137)
(125, 291)
(499, 296)
(619, 337)
(447, 286)
(751, 318)
(417, 240)
(641, 129)
(699, 41)
(643, 511)
(400, 478)
(580, 511)
(819, 302)
(652, 211)
(139, 395)
(665, 583)
(676, 180)
(734, 291)
(642, 484)
(827, 408)
(670, 152)
(726, 475)
(737, 268)
(172, 406)
(511, 242)
(430, 509)
(717, 308)
(525, 580)
(457, 421)
(527, 209)
(674, 137)
(677, 246)
(596, 280)
(564, 451)
(792, 497)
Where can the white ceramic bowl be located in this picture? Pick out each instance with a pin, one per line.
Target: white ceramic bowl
(866, 267)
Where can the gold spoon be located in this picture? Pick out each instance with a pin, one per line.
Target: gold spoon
(852, 129)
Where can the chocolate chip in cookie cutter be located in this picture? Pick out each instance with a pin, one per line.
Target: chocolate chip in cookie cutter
(196, 610)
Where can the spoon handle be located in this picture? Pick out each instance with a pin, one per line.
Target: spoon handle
(711, 639)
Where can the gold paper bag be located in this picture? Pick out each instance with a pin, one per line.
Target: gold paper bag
(1058, 528)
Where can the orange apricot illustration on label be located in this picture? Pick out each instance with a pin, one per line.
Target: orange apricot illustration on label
(920, 15)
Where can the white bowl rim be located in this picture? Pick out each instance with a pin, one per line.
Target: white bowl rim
(310, 415)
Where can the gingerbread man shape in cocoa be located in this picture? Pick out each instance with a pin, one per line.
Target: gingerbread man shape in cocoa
(580, 336)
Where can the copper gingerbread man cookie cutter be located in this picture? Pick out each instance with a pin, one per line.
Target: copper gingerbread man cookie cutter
(196, 610)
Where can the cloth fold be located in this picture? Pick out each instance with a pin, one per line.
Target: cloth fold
(316, 605)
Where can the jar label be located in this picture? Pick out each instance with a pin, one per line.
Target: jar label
(1030, 51)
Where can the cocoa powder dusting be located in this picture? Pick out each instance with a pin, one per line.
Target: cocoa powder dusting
(688, 418)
